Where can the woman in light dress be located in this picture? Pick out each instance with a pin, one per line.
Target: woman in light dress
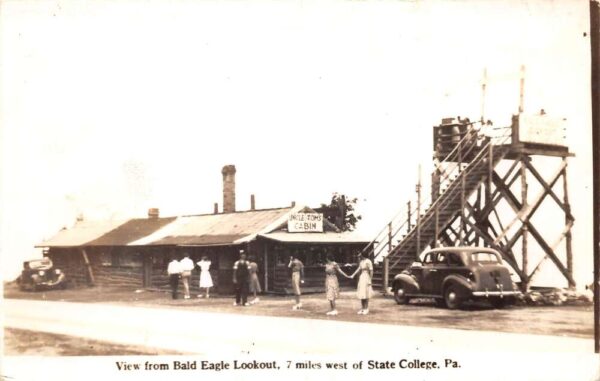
(364, 290)
(253, 282)
(205, 278)
(332, 285)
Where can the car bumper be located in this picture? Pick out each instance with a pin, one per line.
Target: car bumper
(495, 293)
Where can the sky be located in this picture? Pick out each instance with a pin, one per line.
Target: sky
(110, 108)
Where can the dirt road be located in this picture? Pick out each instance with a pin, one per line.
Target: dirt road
(28, 343)
(570, 321)
(194, 331)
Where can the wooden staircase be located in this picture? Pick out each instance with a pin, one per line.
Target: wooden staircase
(403, 240)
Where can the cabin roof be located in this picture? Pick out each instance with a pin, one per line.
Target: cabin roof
(81, 233)
(208, 229)
(226, 228)
(130, 231)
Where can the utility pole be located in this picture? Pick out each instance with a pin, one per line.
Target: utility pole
(521, 89)
(483, 85)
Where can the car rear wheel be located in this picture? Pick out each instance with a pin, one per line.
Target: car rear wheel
(400, 295)
(452, 297)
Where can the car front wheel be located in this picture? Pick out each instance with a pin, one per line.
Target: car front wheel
(400, 295)
(452, 297)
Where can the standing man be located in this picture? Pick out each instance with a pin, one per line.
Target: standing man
(186, 273)
(174, 271)
(297, 268)
(240, 280)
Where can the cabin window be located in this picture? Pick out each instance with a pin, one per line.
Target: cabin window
(106, 259)
(131, 259)
(160, 260)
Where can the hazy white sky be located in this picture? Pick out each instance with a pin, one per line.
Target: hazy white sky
(108, 108)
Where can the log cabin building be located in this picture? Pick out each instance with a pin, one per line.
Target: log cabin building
(135, 253)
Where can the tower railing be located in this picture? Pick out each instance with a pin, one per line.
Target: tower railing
(473, 144)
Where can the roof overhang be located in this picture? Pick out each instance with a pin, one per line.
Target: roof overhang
(316, 238)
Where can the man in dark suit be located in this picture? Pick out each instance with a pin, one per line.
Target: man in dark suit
(240, 280)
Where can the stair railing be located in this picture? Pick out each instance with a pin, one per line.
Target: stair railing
(384, 238)
(483, 153)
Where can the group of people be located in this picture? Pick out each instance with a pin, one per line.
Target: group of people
(364, 288)
(182, 270)
(245, 280)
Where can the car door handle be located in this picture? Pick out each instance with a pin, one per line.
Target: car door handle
(433, 270)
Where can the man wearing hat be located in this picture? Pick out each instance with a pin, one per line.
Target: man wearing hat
(240, 280)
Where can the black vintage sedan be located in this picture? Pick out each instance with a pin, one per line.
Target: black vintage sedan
(40, 274)
(452, 275)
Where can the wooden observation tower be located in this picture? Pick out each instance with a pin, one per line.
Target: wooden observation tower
(487, 189)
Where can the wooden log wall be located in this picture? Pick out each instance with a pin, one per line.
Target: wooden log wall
(160, 281)
(71, 263)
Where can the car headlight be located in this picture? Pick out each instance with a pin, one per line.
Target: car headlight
(41, 273)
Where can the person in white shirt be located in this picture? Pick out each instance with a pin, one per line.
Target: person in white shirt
(174, 271)
(205, 278)
(186, 273)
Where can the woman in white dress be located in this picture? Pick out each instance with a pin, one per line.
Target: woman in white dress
(205, 278)
(364, 289)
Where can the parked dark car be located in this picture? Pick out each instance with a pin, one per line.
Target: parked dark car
(40, 274)
(452, 275)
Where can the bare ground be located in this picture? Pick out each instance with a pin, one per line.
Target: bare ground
(571, 321)
(18, 342)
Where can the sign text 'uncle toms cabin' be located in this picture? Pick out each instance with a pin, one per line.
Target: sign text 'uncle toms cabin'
(305, 222)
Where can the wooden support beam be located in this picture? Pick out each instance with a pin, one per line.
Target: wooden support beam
(386, 274)
(565, 232)
(445, 239)
(569, 219)
(266, 265)
(494, 245)
(516, 205)
(437, 226)
(506, 250)
(495, 196)
(408, 211)
(462, 209)
(524, 205)
(548, 188)
(390, 246)
(88, 266)
(525, 211)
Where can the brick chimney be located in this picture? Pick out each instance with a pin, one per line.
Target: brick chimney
(228, 172)
(153, 213)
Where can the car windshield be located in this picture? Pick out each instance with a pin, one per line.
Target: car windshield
(41, 264)
(484, 258)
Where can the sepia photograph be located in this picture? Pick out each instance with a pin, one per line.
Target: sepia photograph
(302, 189)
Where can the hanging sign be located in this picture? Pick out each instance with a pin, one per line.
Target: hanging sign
(305, 222)
(542, 129)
